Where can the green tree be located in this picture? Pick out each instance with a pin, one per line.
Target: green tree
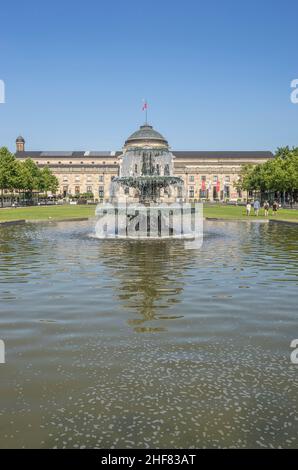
(8, 171)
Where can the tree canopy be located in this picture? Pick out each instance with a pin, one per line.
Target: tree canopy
(24, 175)
(277, 175)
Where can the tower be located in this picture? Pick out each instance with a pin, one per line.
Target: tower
(20, 144)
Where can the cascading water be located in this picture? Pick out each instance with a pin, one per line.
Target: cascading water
(146, 197)
(146, 170)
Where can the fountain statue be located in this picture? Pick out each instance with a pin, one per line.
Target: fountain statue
(146, 199)
(146, 170)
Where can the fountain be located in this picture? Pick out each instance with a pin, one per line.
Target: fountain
(146, 170)
(146, 199)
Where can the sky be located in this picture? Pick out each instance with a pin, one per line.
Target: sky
(216, 73)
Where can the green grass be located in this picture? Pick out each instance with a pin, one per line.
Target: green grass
(238, 212)
(47, 212)
(68, 212)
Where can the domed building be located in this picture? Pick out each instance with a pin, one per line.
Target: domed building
(206, 175)
(146, 136)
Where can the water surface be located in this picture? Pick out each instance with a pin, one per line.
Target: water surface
(148, 344)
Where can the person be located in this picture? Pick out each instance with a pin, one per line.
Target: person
(248, 208)
(274, 207)
(256, 207)
(266, 208)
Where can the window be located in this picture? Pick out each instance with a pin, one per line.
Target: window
(77, 189)
(215, 179)
(89, 189)
(89, 178)
(77, 179)
(65, 178)
(100, 178)
(157, 169)
(191, 191)
(191, 178)
(101, 191)
(227, 179)
(203, 178)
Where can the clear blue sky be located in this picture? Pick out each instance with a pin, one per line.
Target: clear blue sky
(216, 73)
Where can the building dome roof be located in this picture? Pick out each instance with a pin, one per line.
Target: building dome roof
(146, 135)
(20, 139)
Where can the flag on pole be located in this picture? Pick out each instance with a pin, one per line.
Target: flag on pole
(145, 106)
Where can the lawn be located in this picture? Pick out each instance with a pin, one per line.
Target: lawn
(72, 211)
(47, 212)
(221, 211)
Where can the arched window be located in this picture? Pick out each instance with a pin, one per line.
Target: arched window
(136, 168)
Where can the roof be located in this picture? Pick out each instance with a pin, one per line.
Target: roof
(179, 154)
(188, 154)
(146, 132)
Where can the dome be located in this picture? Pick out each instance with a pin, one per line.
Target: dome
(20, 139)
(146, 135)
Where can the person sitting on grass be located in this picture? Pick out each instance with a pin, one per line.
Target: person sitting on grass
(256, 207)
(266, 208)
(248, 208)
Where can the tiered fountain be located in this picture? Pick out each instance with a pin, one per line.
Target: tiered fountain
(142, 196)
(146, 170)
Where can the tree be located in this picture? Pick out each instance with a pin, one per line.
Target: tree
(30, 176)
(48, 181)
(8, 171)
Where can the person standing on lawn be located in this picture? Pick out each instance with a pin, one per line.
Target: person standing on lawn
(275, 207)
(256, 207)
(248, 208)
(266, 208)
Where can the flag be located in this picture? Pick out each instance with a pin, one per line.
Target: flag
(203, 185)
(217, 186)
(145, 106)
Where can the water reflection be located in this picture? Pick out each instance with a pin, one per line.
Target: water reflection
(151, 277)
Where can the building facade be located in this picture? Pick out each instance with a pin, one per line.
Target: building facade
(207, 175)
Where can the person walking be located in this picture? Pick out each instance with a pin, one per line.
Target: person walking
(256, 207)
(274, 207)
(266, 208)
(248, 208)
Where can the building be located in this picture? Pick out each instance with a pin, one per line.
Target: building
(207, 175)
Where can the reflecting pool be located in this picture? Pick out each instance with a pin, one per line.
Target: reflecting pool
(148, 344)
